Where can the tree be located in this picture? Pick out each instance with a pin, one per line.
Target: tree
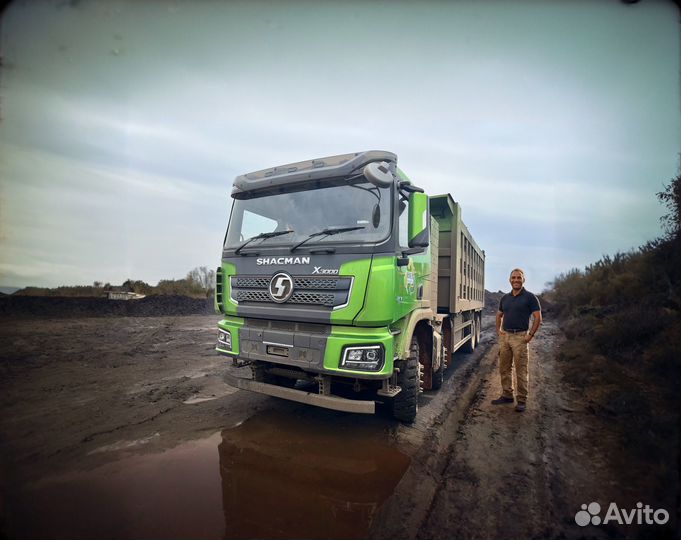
(203, 277)
(671, 198)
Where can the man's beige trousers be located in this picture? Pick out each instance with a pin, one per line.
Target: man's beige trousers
(514, 352)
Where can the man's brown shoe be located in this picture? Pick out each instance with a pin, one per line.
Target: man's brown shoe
(520, 407)
(501, 400)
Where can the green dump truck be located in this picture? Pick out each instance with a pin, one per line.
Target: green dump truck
(343, 284)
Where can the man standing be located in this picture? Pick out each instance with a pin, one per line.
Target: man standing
(513, 321)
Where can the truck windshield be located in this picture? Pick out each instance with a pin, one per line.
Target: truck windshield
(361, 207)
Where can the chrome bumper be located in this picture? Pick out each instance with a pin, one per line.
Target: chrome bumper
(301, 396)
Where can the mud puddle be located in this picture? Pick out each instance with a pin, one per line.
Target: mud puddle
(275, 475)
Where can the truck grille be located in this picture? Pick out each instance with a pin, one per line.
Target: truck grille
(319, 291)
(299, 282)
(296, 298)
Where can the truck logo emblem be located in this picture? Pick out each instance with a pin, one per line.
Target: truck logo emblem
(281, 287)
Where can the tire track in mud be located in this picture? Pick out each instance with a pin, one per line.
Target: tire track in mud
(487, 471)
(509, 475)
(90, 437)
(403, 514)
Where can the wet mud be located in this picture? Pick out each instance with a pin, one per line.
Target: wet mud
(123, 428)
(268, 477)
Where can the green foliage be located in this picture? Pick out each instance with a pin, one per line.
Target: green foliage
(648, 277)
(183, 287)
(569, 290)
(199, 283)
(650, 274)
(203, 277)
(671, 198)
(75, 290)
(137, 286)
(621, 318)
(630, 330)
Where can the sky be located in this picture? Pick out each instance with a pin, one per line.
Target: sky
(124, 123)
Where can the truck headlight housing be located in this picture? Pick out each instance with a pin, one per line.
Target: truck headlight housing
(363, 358)
(224, 340)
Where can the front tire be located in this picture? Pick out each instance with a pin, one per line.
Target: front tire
(405, 405)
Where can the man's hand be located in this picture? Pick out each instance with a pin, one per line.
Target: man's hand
(528, 338)
(500, 317)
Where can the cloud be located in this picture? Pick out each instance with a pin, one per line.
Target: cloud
(75, 220)
(121, 164)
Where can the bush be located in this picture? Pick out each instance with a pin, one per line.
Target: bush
(199, 283)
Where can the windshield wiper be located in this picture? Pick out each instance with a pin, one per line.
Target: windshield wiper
(327, 232)
(259, 236)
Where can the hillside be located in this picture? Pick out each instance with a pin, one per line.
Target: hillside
(621, 317)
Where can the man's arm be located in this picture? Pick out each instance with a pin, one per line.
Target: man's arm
(500, 315)
(536, 323)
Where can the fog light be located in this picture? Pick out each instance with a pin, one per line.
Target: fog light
(224, 340)
(366, 358)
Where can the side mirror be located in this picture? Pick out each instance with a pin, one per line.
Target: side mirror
(419, 221)
(378, 174)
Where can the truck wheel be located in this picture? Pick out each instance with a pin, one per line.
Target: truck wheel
(405, 405)
(469, 346)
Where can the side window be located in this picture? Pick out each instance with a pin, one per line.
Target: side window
(254, 224)
(404, 224)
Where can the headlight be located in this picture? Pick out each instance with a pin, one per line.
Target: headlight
(224, 340)
(365, 358)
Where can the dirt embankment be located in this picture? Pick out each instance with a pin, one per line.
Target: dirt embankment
(70, 307)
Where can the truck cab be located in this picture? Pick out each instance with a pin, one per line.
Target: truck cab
(329, 285)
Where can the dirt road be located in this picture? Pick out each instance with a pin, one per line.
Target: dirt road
(498, 473)
(122, 427)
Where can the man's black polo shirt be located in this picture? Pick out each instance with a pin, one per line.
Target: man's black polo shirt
(517, 309)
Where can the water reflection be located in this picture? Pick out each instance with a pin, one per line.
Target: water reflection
(172, 494)
(283, 477)
(280, 476)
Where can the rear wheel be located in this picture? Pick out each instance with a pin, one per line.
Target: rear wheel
(405, 405)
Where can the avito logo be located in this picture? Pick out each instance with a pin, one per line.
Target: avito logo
(641, 515)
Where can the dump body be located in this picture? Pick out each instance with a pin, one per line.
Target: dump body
(461, 263)
(340, 279)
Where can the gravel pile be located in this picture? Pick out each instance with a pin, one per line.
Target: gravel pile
(492, 302)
